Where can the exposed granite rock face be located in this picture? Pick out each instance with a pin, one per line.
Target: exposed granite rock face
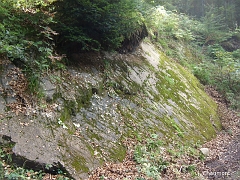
(2, 105)
(88, 110)
(6, 91)
(38, 145)
(49, 88)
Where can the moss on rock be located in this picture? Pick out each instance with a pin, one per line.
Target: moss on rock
(141, 94)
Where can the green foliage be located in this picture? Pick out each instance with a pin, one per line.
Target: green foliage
(22, 34)
(198, 45)
(30, 3)
(95, 25)
(26, 39)
(202, 73)
(213, 27)
(163, 25)
(199, 8)
(1, 170)
(154, 157)
(226, 73)
(179, 131)
(221, 70)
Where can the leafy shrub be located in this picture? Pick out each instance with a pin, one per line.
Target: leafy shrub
(202, 72)
(222, 69)
(154, 158)
(95, 25)
(167, 24)
(213, 28)
(149, 157)
(26, 39)
(236, 54)
(1, 170)
(22, 33)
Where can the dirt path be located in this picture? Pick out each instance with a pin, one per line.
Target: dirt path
(224, 159)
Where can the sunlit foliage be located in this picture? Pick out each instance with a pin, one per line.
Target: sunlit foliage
(97, 24)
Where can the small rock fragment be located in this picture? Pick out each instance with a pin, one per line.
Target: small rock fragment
(205, 151)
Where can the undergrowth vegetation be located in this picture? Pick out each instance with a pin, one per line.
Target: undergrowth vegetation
(155, 158)
(27, 39)
(95, 25)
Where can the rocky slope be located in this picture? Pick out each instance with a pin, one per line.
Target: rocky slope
(89, 109)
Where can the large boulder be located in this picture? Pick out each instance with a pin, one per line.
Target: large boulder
(93, 108)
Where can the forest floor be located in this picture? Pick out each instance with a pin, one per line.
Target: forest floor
(223, 161)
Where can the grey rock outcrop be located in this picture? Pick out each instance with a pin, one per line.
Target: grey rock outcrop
(92, 108)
